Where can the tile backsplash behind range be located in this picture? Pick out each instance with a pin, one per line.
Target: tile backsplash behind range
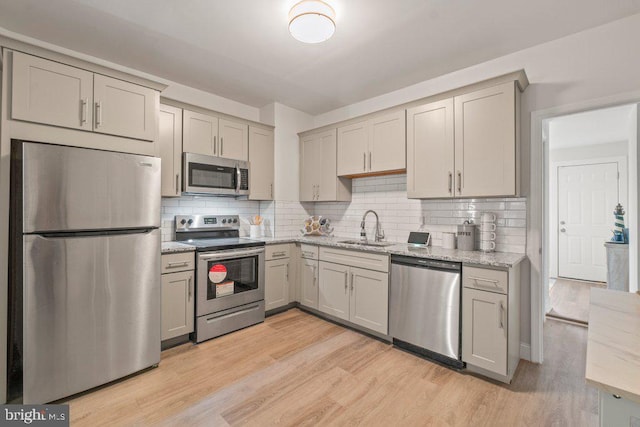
(188, 205)
(399, 215)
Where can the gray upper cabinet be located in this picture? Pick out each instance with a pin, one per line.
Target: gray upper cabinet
(170, 149)
(200, 133)
(373, 146)
(234, 140)
(51, 93)
(212, 136)
(430, 150)
(486, 142)
(318, 177)
(125, 109)
(464, 146)
(261, 173)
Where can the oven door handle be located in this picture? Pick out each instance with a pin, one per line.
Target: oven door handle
(230, 255)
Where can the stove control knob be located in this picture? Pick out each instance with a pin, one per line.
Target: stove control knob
(224, 221)
(190, 222)
(235, 220)
(183, 222)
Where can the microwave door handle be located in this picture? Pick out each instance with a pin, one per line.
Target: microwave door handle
(238, 178)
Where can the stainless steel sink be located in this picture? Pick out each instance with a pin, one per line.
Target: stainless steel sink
(367, 243)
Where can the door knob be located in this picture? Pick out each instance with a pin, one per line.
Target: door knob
(562, 230)
(562, 223)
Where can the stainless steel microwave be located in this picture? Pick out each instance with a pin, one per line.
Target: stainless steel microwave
(209, 175)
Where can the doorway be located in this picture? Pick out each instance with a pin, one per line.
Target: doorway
(587, 162)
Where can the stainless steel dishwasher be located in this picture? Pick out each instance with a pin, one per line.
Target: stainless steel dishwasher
(424, 312)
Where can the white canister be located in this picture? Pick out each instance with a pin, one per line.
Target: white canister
(254, 231)
(448, 240)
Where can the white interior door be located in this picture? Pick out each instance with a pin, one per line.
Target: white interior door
(587, 196)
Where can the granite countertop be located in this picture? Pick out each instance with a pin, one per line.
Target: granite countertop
(494, 259)
(173, 247)
(613, 346)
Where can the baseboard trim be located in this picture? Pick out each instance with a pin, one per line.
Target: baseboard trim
(525, 351)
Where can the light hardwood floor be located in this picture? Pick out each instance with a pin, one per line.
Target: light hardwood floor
(296, 369)
(570, 299)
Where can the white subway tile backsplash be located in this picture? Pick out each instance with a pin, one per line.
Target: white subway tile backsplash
(399, 215)
(386, 195)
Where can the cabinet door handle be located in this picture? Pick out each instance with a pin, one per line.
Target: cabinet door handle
(315, 275)
(346, 282)
(84, 103)
(318, 192)
(364, 161)
(190, 291)
(177, 264)
(279, 254)
(98, 113)
(177, 184)
(287, 273)
(214, 144)
(450, 182)
(459, 182)
(370, 160)
(352, 283)
(271, 189)
(480, 279)
(221, 146)
(501, 315)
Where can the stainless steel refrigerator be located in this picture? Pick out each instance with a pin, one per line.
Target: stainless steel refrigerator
(84, 291)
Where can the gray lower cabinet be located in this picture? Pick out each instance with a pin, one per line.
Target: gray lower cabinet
(309, 283)
(276, 276)
(491, 321)
(178, 294)
(354, 286)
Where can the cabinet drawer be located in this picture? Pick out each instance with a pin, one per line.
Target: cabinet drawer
(181, 261)
(485, 279)
(276, 252)
(309, 251)
(368, 260)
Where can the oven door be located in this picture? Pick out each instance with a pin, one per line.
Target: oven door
(228, 279)
(214, 175)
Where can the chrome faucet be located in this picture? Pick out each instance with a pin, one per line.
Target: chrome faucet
(363, 232)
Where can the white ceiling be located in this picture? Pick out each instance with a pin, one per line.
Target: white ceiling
(241, 49)
(603, 126)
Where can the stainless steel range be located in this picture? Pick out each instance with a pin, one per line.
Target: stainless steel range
(229, 274)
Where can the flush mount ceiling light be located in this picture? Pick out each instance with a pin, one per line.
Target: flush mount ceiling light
(312, 21)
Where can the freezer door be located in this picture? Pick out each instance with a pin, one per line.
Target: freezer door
(69, 188)
(91, 311)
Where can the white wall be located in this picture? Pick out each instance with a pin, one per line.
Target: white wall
(620, 148)
(634, 198)
(288, 122)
